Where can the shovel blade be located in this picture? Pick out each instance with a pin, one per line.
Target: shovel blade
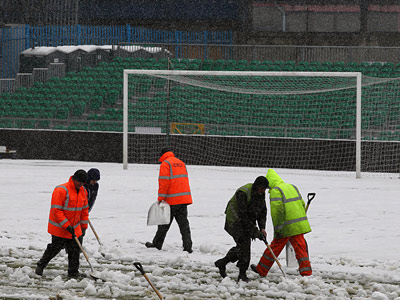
(102, 252)
(95, 276)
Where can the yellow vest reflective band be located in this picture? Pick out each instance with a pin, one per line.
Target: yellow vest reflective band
(288, 211)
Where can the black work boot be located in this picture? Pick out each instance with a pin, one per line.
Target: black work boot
(242, 274)
(254, 268)
(39, 270)
(77, 275)
(151, 245)
(243, 277)
(221, 265)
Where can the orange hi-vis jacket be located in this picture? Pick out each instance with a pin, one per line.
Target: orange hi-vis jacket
(68, 208)
(173, 181)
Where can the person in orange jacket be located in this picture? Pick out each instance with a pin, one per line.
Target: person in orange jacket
(173, 188)
(68, 219)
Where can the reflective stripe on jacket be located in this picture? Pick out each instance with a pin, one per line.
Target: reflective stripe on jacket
(68, 208)
(173, 181)
(287, 208)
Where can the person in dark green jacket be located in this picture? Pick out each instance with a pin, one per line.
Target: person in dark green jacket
(245, 210)
(290, 224)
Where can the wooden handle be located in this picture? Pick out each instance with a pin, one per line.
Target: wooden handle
(138, 266)
(94, 231)
(275, 258)
(84, 253)
(154, 288)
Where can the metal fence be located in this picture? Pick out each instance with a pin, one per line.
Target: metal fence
(182, 44)
(14, 40)
(286, 53)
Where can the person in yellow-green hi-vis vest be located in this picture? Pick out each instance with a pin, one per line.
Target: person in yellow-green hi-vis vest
(290, 224)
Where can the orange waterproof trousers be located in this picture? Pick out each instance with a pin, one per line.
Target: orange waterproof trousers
(300, 248)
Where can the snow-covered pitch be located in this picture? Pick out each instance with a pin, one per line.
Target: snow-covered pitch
(354, 246)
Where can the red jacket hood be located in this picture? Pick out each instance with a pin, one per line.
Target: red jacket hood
(166, 155)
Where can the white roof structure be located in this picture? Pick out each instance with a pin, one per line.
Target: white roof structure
(38, 51)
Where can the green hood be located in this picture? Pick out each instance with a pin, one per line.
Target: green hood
(273, 178)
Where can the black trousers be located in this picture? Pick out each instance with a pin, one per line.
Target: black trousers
(180, 213)
(56, 245)
(240, 253)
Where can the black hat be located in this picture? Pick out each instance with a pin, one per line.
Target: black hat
(261, 181)
(93, 174)
(80, 176)
(165, 150)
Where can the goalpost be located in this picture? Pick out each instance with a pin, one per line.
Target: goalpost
(304, 120)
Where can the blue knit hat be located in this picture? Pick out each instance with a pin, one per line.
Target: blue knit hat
(93, 174)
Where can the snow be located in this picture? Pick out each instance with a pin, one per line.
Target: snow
(354, 246)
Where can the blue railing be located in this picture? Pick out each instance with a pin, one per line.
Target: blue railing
(14, 40)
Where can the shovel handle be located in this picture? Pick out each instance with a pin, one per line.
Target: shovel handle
(153, 287)
(275, 258)
(310, 197)
(94, 231)
(80, 247)
(84, 253)
(138, 266)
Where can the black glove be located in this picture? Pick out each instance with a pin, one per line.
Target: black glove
(260, 235)
(71, 231)
(83, 232)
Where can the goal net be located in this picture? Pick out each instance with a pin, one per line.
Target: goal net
(297, 120)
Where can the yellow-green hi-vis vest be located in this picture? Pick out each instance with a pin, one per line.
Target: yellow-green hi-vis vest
(287, 208)
(231, 210)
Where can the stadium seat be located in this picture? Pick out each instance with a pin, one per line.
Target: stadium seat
(62, 113)
(242, 62)
(78, 108)
(218, 65)
(207, 64)
(110, 99)
(99, 90)
(288, 65)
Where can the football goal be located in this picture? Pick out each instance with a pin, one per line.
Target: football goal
(334, 121)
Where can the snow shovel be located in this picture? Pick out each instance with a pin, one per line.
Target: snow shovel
(310, 197)
(97, 238)
(290, 254)
(138, 266)
(92, 273)
(274, 256)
